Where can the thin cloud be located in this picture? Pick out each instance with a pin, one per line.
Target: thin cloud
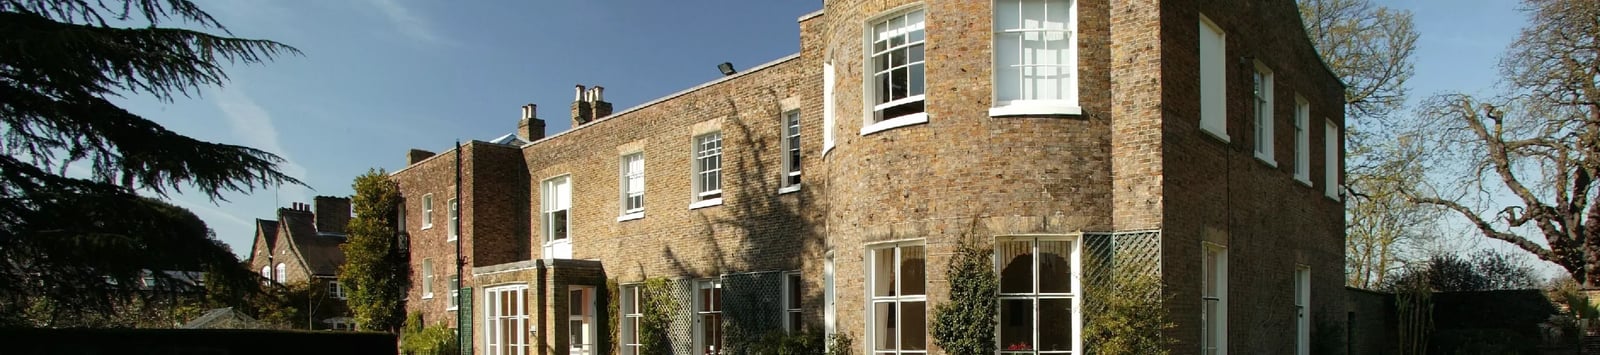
(254, 127)
(408, 23)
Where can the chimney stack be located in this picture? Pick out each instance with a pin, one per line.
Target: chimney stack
(417, 155)
(589, 105)
(332, 214)
(530, 127)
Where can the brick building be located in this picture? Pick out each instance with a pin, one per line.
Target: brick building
(302, 246)
(826, 190)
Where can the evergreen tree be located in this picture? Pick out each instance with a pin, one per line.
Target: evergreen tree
(81, 243)
(374, 271)
(966, 324)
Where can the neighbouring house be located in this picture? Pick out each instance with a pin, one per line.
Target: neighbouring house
(224, 318)
(826, 190)
(302, 246)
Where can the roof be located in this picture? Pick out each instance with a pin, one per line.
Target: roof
(319, 252)
(268, 230)
(224, 318)
(509, 139)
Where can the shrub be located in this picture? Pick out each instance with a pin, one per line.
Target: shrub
(785, 343)
(840, 344)
(966, 324)
(1131, 319)
(658, 305)
(417, 339)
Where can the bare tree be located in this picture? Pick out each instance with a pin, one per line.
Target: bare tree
(1524, 163)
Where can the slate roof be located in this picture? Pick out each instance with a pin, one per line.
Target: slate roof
(223, 318)
(320, 252)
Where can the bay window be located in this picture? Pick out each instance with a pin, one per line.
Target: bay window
(1039, 295)
(896, 66)
(1035, 58)
(899, 305)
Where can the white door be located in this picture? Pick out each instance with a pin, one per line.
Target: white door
(580, 320)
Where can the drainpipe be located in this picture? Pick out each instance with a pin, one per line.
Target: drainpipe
(460, 262)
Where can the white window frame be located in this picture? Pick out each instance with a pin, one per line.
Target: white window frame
(789, 178)
(1066, 101)
(1261, 94)
(875, 105)
(552, 201)
(493, 317)
(631, 310)
(1330, 159)
(400, 216)
(631, 167)
(280, 273)
(266, 272)
(1302, 140)
(1075, 294)
(827, 107)
(1302, 307)
(1213, 80)
(427, 278)
(793, 311)
(336, 290)
(829, 298)
(584, 318)
(455, 220)
(455, 293)
(427, 211)
(701, 310)
(895, 300)
(1218, 295)
(707, 150)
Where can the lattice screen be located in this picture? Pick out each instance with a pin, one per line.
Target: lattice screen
(750, 307)
(1110, 256)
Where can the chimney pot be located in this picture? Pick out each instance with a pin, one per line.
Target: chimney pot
(578, 94)
(599, 94)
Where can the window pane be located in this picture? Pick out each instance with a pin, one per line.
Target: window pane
(916, 79)
(1016, 324)
(795, 323)
(1055, 267)
(913, 322)
(913, 277)
(1006, 15)
(897, 57)
(883, 272)
(558, 221)
(794, 291)
(1007, 55)
(1016, 266)
(897, 86)
(883, 327)
(883, 87)
(914, 22)
(1055, 324)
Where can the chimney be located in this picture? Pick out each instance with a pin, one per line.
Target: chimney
(332, 214)
(417, 155)
(598, 101)
(530, 128)
(582, 112)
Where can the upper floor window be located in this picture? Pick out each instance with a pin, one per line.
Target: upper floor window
(283, 270)
(427, 278)
(1302, 140)
(400, 217)
(708, 167)
(455, 292)
(896, 65)
(335, 290)
(1330, 159)
(1261, 98)
(556, 200)
(632, 184)
(455, 221)
(1035, 58)
(1213, 79)
(791, 150)
(427, 211)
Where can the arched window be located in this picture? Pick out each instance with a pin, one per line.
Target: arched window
(279, 275)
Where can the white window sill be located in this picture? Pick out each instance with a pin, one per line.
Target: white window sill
(826, 147)
(427, 296)
(1035, 109)
(631, 216)
(897, 122)
(451, 239)
(1266, 160)
(451, 308)
(1214, 134)
(1303, 180)
(789, 189)
(427, 226)
(706, 203)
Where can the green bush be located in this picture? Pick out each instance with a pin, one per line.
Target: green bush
(1132, 319)
(840, 344)
(417, 339)
(785, 343)
(658, 304)
(966, 324)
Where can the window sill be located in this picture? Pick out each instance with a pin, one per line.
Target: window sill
(630, 216)
(1214, 134)
(1035, 109)
(789, 189)
(451, 308)
(427, 226)
(428, 296)
(1266, 160)
(706, 203)
(1303, 180)
(897, 122)
(451, 239)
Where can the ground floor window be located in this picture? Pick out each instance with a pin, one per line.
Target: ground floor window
(1214, 300)
(1039, 295)
(899, 304)
(506, 320)
(632, 314)
(791, 302)
(708, 317)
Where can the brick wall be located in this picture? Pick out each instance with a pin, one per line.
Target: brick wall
(1219, 192)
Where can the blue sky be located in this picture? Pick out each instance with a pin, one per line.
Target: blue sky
(381, 76)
